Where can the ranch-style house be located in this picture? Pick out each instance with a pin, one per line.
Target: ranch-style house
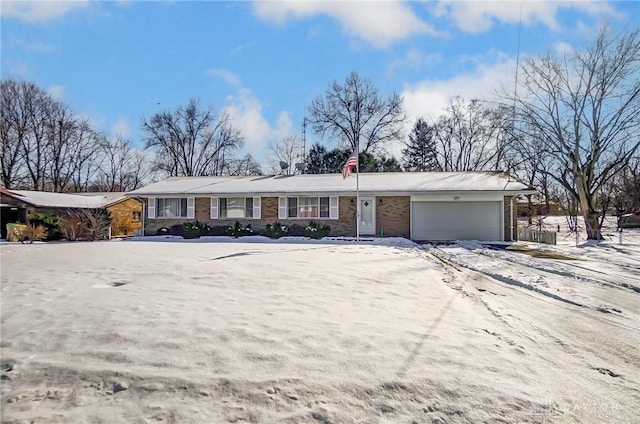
(418, 205)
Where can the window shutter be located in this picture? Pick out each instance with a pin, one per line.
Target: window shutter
(213, 213)
(256, 208)
(191, 207)
(333, 208)
(282, 208)
(151, 207)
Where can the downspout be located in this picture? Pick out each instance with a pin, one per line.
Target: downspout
(143, 216)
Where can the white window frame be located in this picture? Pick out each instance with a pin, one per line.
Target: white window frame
(154, 210)
(216, 207)
(283, 208)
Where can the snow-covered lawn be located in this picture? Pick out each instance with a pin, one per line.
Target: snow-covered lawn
(164, 330)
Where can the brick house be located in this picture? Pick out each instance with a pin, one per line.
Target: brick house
(19, 205)
(419, 206)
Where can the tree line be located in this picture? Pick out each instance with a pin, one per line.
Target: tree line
(569, 129)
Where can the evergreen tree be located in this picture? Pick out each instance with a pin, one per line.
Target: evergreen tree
(420, 153)
(315, 161)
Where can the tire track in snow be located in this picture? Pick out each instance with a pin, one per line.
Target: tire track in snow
(552, 270)
(454, 258)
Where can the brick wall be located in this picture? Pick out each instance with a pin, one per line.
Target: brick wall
(345, 225)
(394, 215)
(122, 222)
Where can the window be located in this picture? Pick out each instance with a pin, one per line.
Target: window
(236, 207)
(171, 207)
(136, 216)
(293, 207)
(308, 207)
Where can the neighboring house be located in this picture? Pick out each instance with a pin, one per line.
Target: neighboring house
(420, 206)
(539, 207)
(20, 205)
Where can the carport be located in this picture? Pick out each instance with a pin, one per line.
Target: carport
(11, 214)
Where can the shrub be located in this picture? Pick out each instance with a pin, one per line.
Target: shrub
(317, 230)
(276, 230)
(237, 230)
(163, 231)
(176, 230)
(218, 230)
(96, 222)
(25, 233)
(34, 232)
(296, 230)
(195, 229)
(71, 227)
(50, 222)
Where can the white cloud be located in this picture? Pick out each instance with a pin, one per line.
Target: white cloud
(246, 113)
(477, 16)
(429, 98)
(414, 59)
(37, 46)
(121, 128)
(227, 76)
(379, 23)
(56, 91)
(16, 69)
(562, 48)
(37, 11)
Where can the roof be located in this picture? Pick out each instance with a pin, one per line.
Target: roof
(65, 200)
(109, 197)
(374, 183)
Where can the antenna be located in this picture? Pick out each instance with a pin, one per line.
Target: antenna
(515, 84)
(304, 144)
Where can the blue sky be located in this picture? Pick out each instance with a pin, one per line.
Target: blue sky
(263, 62)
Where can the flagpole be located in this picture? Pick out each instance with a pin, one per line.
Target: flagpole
(358, 189)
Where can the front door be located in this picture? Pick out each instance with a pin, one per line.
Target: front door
(367, 216)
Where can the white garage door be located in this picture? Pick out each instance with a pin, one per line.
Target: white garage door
(456, 220)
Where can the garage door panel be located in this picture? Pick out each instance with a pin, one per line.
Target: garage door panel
(456, 220)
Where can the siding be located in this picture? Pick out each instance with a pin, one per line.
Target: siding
(507, 215)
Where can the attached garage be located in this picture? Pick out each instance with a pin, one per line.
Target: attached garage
(458, 220)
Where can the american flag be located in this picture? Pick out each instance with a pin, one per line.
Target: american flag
(351, 163)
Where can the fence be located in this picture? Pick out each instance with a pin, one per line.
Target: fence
(527, 234)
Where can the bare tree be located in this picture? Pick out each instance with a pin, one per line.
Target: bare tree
(470, 137)
(283, 156)
(70, 143)
(624, 189)
(191, 141)
(245, 166)
(13, 129)
(585, 107)
(354, 113)
(25, 112)
(86, 173)
(123, 167)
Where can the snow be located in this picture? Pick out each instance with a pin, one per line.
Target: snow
(296, 330)
(65, 200)
(376, 182)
